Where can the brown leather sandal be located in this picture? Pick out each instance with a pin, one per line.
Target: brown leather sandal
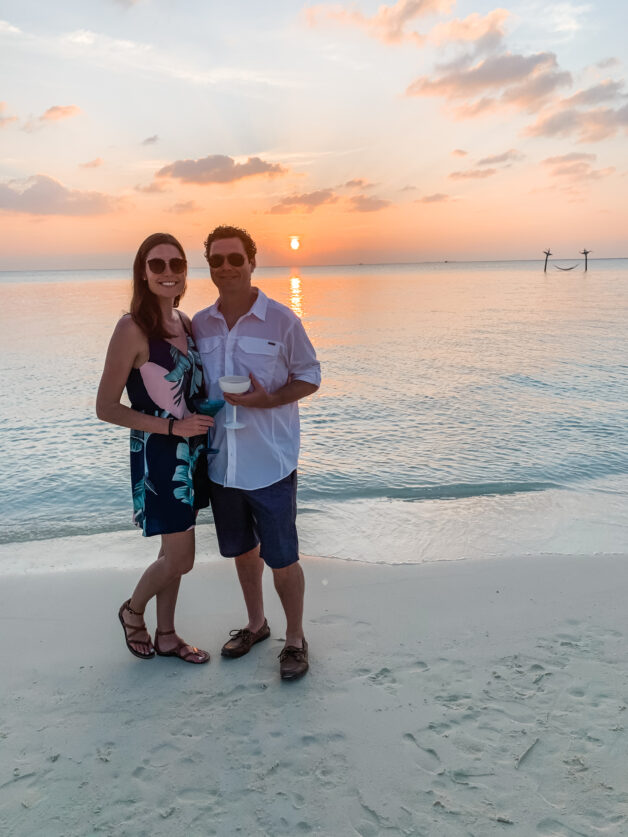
(187, 657)
(132, 630)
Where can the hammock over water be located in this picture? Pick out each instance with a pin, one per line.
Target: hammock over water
(571, 267)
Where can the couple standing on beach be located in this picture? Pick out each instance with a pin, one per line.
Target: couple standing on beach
(167, 362)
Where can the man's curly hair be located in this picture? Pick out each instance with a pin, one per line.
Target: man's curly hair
(226, 231)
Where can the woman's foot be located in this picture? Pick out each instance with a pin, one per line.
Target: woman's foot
(137, 638)
(170, 644)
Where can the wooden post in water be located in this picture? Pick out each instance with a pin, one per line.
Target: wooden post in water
(548, 253)
(585, 253)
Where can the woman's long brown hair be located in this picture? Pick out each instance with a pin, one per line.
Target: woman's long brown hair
(145, 308)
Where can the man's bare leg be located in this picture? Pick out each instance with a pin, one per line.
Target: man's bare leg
(290, 585)
(250, 567)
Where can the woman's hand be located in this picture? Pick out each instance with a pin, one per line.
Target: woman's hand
(194, 425)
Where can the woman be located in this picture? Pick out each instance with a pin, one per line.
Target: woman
(152, 353)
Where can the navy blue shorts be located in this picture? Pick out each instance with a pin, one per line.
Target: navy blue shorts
(264, 516)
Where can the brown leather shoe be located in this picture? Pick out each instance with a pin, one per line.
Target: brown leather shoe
(293, 662)
(242, 640)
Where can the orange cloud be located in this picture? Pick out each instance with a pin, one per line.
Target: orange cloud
(485, 33)
(43, 195)
(359, 183)
(389, 23)
(218, 168)
(459, 152)
(185, 207)
(151, 188)
(576, 167)
(5, 120)
(472, 174)
(303, 203)
(92, 164)
(510, 156)
(364, 203)
(439, 197)
(57, 112)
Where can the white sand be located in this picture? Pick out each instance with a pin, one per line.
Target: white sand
(466, 698)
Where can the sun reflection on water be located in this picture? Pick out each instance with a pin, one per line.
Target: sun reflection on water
(296, 296)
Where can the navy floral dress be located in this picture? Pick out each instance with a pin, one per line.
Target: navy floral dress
(168, 473)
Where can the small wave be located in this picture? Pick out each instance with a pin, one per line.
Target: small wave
(453, 491)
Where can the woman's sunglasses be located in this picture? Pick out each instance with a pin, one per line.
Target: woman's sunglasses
(159, 265)
(234, 259)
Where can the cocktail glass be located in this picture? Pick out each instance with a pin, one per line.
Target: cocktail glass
(235, 385)
(209, 407)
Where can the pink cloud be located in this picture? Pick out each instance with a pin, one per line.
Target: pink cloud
(218, 168)
(472, 174)
(576, 166)
(507, 79)
(57, 112)
(92, 164)
(484, 32)
(603, 92)
(588, 126)
(389, 23)
(43, 195)
(307, 202)
(459, 152)
(510, 156)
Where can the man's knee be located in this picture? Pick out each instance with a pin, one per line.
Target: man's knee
(251, 554)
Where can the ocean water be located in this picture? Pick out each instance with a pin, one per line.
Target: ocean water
(467, 409)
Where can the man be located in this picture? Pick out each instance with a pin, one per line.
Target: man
(253, 475)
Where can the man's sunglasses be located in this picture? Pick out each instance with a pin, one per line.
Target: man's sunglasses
(159, 265)
(234, 259)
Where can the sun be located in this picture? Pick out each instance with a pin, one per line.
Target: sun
(294, 242)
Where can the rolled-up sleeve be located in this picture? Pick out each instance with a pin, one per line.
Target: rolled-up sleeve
(302, 362)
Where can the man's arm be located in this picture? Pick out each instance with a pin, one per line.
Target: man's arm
(259, 397)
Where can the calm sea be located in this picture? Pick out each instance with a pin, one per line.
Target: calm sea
(467, 409)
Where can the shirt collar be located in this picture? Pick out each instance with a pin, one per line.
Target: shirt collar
(258, 309)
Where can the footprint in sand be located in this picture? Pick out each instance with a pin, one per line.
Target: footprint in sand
(553, 828)
(425, 757)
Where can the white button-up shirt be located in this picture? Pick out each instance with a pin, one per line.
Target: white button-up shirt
(269, 341)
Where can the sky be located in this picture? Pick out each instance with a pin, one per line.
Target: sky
(416, 130)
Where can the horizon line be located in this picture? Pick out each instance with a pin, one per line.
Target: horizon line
(336, 264)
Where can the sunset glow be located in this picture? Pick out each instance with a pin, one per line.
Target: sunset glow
(492, 131)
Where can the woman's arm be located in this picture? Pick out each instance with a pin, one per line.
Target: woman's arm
(126, 347)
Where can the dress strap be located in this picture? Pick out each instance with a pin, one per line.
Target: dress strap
(184, 324)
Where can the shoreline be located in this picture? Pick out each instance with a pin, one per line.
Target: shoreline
(445, 698)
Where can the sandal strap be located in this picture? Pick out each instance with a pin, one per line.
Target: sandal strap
(127, 606)
(165, 633)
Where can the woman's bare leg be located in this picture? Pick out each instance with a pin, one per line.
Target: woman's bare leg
(162, 579)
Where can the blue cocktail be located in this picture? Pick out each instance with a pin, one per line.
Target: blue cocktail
(209, 407)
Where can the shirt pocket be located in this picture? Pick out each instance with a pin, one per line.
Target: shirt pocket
(264, 358)
(212, 356)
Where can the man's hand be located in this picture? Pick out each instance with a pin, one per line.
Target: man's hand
(257, 397)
